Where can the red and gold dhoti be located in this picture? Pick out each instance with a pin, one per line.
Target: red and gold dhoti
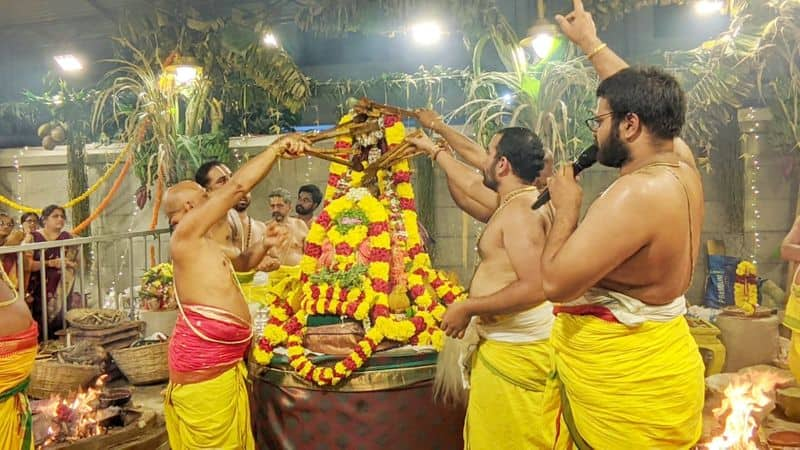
(206, 405)
(17, 355)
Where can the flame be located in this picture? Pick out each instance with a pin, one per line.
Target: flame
(744, 399)
(74, 416)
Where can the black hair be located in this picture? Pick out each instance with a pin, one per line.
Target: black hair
(316, 194)
(50, 209)
(652, 94)
(524, 151)
(25, 216)
(201, 176)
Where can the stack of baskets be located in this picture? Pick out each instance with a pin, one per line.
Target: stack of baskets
(143, 364)
(51, 377)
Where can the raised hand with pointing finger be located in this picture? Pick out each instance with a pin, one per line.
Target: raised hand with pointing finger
(579, 27)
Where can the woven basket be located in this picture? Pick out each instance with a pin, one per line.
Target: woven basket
(52, 377)
(143, 365)
(77, 318)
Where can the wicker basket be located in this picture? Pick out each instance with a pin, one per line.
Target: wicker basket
(51, 377)
(143, 365)
(78, 318)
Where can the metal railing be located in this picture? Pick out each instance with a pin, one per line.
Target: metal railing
(155, 245)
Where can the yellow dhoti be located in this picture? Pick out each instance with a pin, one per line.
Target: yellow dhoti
(505, 400)
(792, 321)
(252, 293)
(283, 282)
(616, 386)
(17, 355)
(507, 380)
(213, 414)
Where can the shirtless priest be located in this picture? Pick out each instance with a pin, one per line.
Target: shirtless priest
(206, 404)
(627, 372)
(512, 318)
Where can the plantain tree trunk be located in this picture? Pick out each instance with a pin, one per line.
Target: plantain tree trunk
(77, 183)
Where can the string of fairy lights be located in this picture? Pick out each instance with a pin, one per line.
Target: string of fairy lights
(17, 157)
(753, 169)
(124, 257)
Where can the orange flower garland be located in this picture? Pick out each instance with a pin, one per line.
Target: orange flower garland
(106, 200)
(355, 257)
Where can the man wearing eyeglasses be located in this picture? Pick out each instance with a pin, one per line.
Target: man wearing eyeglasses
(627, 372)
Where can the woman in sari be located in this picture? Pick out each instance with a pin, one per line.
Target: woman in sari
(9, 237)
(53, 220)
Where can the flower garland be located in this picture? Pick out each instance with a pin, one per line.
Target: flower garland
(360, 253)
(106, 200)
(158, 288)
(745, 288)
(70, 204)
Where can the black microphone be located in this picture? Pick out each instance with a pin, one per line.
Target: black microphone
(585, 160)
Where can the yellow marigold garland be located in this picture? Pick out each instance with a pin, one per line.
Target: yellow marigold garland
(340, 240)
(92, 189)
(745, 288)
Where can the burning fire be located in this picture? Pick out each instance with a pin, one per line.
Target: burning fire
(745, 401)
(74, 416)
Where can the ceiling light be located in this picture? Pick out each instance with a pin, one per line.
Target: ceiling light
(270, 40)
(708, 7)
(68, 63)
(426, 33)
(541, 36)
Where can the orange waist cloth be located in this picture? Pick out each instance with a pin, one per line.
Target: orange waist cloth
(23, 340)
(215, 338)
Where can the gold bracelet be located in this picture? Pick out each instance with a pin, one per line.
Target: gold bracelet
(596, 50)
(436, 154)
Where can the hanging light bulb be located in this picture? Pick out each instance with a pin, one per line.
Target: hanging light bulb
(542, 35)
(183, 70)
(708, 7)
(426, 33)
(270, 40)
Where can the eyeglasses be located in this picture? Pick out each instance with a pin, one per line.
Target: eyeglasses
(6, 224)
(594, 122)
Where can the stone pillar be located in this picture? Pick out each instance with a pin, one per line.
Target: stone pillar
(768, 206)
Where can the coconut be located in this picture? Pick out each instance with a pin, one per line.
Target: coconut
(58, 134)
(44, 130)
(48, 143)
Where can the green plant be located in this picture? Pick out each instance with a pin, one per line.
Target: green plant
(227, 42)
(70, 109)
(387, 17)
(144, 112)
(551, 97)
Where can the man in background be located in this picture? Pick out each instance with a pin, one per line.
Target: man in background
(309, 197)
(290, 251)
(239, 234)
